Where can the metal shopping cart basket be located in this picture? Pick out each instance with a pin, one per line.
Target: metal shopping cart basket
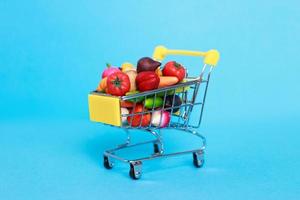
(106, 109)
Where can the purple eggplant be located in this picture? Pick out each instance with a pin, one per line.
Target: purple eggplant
(169, 100)
(147, 64)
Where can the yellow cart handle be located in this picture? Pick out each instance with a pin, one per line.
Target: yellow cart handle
(211, 57)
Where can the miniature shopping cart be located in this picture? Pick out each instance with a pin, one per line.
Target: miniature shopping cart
(192, 91)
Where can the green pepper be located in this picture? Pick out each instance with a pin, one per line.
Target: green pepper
(137, 99)
(153, 102)
(162, 94)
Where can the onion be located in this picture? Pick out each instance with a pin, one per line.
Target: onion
(124, 111)
(160, 118)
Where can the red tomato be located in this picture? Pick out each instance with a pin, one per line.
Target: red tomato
(173, 68)
(139, 118)
(147, 80)
(127, 104)
(118, 84)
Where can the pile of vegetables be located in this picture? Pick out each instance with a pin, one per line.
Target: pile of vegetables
(148, 75)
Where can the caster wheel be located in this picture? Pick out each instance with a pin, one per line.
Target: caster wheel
(106, 163)
(135, 171)
(198, 159)
(156, 148)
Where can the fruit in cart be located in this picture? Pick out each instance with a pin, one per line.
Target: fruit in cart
(160, 118)
(127, 104)
(168, 92)
(177, 113)
(124, 111)
(118, 84)
(165, 81)
(158, 71)
(182, 89)
(147, 64)
(102, 85)
(147, 80)
(137, 99)
(132, 75)
(127, 66)
(169, 103)
(173, 68)
(109, 70)
(153, 102)
(137, 119)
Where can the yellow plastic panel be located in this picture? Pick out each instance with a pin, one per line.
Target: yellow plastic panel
(105, 109)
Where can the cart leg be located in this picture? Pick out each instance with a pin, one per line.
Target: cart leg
(107, 163)
(158, 148)
(198, 158)
(135, 171)
(128, 139)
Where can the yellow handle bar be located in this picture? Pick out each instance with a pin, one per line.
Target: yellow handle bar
(211, 57)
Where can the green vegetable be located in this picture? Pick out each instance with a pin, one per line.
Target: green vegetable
(182, 89)
(162, 94)
(153, 102)
(137, 99)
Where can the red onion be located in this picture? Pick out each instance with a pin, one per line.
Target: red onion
(160, 118)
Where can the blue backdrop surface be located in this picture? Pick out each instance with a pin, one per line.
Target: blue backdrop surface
(52, 54)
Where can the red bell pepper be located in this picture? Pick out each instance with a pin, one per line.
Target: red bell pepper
(147, 80)
(173, 68)
(137, 119)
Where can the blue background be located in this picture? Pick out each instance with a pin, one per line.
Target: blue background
(52, 54)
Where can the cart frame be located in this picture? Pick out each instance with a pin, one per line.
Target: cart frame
(189, 91)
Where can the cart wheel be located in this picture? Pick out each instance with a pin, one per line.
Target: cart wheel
(107, 164)
(135, 171)
(156, 148)
(198, 159)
